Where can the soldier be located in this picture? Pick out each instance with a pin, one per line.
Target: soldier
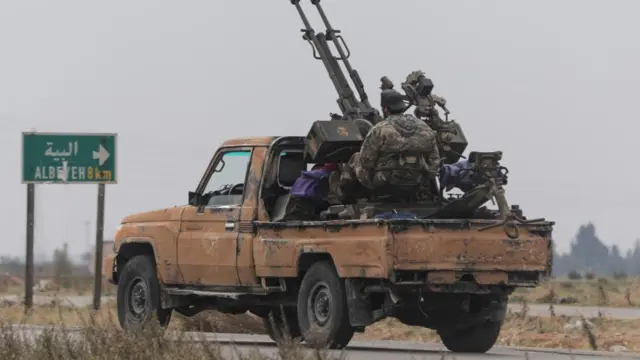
(400, 151)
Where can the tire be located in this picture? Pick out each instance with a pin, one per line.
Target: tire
(139, 278)
(323, 315)
(477, 339)
(280, 330)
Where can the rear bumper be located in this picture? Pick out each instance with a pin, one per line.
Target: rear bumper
(108, 267)
(467, 280)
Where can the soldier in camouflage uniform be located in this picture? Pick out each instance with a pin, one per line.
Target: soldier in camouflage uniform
(399, 152)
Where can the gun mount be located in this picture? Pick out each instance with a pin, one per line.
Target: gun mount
(419, 91)
(328, 140)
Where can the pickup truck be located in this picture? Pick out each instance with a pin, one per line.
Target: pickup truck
(229, 250)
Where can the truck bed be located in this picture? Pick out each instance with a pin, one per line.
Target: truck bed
(410, 251)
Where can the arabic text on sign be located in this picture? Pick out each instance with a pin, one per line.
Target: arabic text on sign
(73, 150)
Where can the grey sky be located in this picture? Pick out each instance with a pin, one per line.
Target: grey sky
(551, 83)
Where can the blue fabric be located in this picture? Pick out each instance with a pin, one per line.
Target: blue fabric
(452, 175)
(306, 186)
(395, 215)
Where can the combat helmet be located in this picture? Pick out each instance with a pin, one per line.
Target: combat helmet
(393, 100)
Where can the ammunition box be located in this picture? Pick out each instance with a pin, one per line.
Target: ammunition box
(458, 144)
(332, 141)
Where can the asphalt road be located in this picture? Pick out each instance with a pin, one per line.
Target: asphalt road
(538, 310)
(369, 350)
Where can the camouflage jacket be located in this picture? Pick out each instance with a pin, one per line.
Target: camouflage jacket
(381, 154)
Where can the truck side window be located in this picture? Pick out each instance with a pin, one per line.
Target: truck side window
(226, 184)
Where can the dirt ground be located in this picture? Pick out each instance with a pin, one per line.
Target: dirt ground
(555, 332)
(597, 292)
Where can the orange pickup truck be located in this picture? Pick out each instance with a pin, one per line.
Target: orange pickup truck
(229, 250)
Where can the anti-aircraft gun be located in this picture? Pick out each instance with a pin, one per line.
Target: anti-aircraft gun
(337, 139)
(418, 89)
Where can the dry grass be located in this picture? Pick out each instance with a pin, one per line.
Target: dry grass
(553, 332)
(98, 340)
(78, 286)
(556, 332)
(53, 314)
(597, 292)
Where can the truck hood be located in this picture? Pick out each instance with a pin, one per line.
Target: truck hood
(166, 214)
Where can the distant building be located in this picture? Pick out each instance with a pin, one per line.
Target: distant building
(107, 247)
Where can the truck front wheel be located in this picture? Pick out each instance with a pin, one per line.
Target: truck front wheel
(323, 315)
(138, 297)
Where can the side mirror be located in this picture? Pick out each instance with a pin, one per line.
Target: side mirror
(194, 198)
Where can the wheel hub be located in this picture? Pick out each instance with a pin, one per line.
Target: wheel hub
(319, 304)
(137, 299)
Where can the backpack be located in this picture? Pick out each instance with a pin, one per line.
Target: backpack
(311, 184)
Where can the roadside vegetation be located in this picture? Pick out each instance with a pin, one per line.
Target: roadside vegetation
(102, 338)
(584, 291)
(519, 329)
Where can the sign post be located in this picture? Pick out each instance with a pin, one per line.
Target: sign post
(97, 275)
(28, 276)
(67, 158)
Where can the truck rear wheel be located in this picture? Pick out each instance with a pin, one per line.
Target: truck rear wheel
(282, 325)
(138, 295)
(477, 339)
(323, 315)
(477, 330)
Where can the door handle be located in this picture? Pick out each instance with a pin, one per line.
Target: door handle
(229, 226)
(193, 227)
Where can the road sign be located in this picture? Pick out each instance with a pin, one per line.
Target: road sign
(68, 158)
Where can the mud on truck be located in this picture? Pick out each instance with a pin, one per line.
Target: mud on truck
(450, 266)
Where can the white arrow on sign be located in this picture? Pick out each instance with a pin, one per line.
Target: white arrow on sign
(101, 155)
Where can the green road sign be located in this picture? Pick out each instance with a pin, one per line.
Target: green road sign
(68, 158)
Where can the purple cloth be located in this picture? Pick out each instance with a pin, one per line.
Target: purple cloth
(306, 186)
(451, 175)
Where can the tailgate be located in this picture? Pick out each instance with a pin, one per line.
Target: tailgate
(447, 250)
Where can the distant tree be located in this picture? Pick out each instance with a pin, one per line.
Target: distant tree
(619, 275)
(589, 275)
(574, 275)
(588, 251)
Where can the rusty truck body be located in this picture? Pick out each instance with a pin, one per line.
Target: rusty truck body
(231, 252)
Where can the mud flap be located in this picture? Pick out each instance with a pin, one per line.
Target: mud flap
(360, 314)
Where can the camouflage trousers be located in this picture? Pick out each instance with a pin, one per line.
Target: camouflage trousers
(353, 181)
(356, 181)
(353, 172)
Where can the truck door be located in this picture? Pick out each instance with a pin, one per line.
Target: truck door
(207, 241)
(251, 210)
